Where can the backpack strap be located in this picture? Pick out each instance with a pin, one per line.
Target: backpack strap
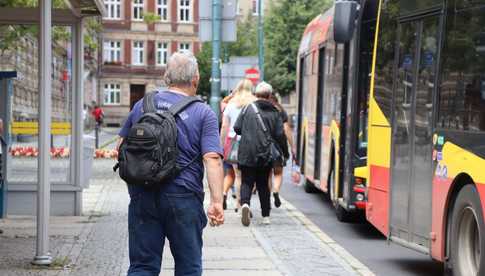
(149, 103)
(180, 106)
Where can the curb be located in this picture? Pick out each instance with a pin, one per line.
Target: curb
(341, 252)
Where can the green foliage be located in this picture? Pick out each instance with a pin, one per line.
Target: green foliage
(204, 58)
(93, 28)
(58, 4)
(10, 34)
(149, 17)
(284, 26)
(246, 45)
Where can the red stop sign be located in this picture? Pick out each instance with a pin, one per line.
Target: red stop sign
(252, 74)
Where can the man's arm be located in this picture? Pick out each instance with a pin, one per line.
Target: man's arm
(215, 175)
(215, 179)
(211, 152)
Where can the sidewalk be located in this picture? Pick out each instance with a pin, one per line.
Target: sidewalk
(96, 244)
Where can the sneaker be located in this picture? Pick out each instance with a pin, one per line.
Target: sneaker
(245, 215)
(277, 201)
(266, 221)
(224, 203)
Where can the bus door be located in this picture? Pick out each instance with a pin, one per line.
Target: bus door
(418, 44)
(319, 122)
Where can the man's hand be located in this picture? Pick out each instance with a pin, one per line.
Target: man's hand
(215, 214)
(215, 178)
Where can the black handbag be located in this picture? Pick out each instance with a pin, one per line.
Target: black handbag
(275, 157)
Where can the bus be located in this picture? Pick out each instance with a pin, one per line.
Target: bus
(424, 86)
(333, 90)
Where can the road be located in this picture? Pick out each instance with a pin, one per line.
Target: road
(362, 240)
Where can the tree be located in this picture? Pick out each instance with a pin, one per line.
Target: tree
(284, 27)
(246, 45)
(10, 34)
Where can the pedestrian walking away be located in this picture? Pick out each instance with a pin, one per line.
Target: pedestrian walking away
(229, 139)
(262, 146)
(169, 204)
(229, 174)
(276, 176)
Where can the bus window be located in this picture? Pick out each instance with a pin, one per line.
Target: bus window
(384, 77)
(366, 45)
(410, 6)
(462, 90)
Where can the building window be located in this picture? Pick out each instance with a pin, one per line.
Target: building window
(162, 9)
(255, 7)
(112, 94)
(184, 10)
(184, 46)
(138, 53)
(111, 51)
(113, 9)
(162, 53)
(138, 10)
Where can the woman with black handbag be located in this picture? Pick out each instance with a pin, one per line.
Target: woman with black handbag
(263, 145)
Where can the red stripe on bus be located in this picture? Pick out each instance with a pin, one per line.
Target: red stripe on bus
(377, 211)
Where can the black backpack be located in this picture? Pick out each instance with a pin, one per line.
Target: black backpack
(148, 155)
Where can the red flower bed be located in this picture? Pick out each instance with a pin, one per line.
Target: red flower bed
(19, 151)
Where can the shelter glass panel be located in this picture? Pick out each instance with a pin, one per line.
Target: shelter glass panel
(20, 53)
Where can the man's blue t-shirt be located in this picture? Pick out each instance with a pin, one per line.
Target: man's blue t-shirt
(198, 134)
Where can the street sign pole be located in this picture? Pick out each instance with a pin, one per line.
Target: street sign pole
(261, 39)
(216, 55)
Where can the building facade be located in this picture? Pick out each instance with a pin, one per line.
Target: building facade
(246, 8)
(138, 37)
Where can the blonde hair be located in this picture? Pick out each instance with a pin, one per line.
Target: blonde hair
(243, 94)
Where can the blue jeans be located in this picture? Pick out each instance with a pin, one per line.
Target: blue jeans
(171, 212)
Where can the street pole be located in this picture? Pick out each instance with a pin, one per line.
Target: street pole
(42, 256)
(216, 55)
(261, 39)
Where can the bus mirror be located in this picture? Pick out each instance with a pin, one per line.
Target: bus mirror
(344, 20)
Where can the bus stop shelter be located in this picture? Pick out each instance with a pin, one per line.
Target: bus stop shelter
(44, 16)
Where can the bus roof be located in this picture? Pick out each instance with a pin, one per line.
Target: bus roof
(316, 32)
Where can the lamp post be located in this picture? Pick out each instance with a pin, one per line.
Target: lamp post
(261, 39)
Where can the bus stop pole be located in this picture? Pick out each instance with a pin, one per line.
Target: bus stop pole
(77, 115)
(216, 55)
(45, 85)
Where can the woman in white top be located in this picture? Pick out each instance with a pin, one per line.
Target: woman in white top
(242, 97)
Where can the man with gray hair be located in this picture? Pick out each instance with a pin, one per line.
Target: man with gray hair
(174, 210)
(261, 129)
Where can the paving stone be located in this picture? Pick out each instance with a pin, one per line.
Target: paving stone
(96, 243)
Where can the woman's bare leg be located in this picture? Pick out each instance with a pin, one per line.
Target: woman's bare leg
(277, 181)
(228, 182)
(237, 183)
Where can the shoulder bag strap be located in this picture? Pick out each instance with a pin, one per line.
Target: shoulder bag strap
(149, 103)
(180, 106)
(260, 119)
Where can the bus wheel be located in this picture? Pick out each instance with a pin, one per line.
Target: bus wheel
(467, 234)
(310, 187)
(342, 214)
